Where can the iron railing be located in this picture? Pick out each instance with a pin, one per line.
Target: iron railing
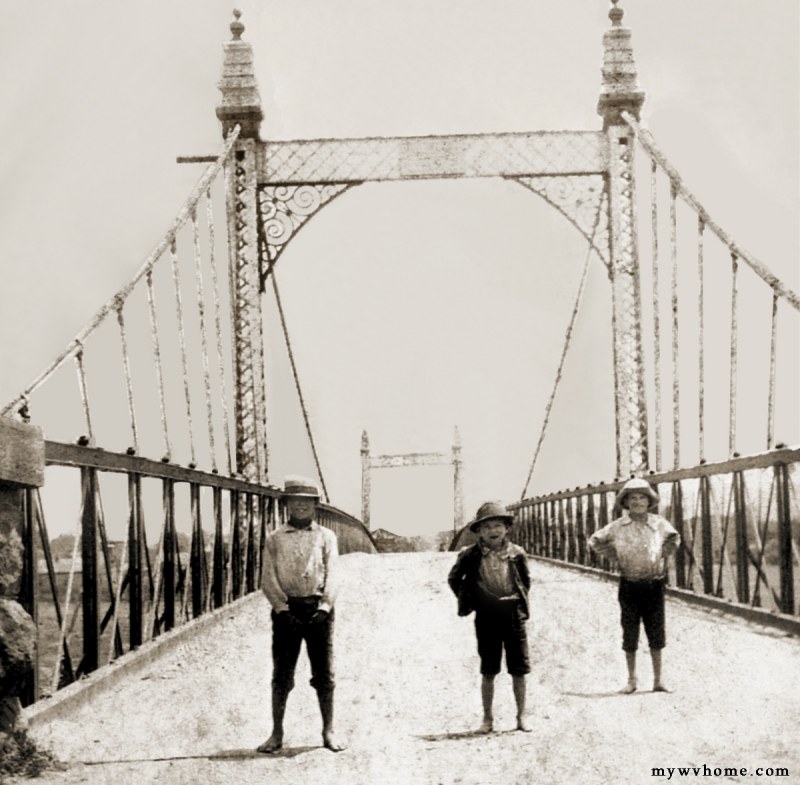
(130, 591)
(739, 522)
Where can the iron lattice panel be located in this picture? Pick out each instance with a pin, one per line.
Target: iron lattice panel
(581, 199)
(282, 210)
(418, 157)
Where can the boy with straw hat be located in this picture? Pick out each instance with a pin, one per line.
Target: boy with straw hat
(641, 541)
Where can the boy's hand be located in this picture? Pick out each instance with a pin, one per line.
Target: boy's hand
(289, 618)
(319, 617)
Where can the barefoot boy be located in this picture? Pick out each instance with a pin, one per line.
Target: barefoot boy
(299, 580)
(640, 541)
(491, 577)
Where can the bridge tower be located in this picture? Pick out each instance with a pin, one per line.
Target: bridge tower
(313, 173)
(241, 105)
(620, 93)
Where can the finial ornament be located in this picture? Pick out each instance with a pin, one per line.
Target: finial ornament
(616, 14)
(237, 28)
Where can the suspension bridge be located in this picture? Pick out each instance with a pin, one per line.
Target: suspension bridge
(166, 390)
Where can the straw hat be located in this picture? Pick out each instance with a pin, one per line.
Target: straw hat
(295, 485)
(636, 485)
(489, 510)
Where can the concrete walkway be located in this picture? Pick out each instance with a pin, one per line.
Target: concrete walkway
(408, 696)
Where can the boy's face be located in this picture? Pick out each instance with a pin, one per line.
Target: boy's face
(492, 532)
(301, 508)
(638, 502)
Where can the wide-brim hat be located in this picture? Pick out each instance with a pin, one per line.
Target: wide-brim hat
(489, 510)
(636, 485)
(296, 486)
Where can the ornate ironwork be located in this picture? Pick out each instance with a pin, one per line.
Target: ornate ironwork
(578, 198)
(416, 157)
(632, 452)
(282, 210)
(251, 447)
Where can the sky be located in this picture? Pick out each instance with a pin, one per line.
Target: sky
(413, 307)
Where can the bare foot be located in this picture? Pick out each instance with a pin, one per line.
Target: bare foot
(486, 727)
(659, 687)
(628, 688)
(272, 744)
(332, 743)
(524, 724)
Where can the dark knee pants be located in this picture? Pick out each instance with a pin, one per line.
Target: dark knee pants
(500, 626)
(642, 601)
(289, 630)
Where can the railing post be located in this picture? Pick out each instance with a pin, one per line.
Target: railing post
(604, 564)
(570, 520)
(219, 552)
(89, 599)
(21, 470)
(591, 526)
(676, 503)
(134, 563)
(705, 523)
(742, 548)
(168, 492)
(580, 531)
(236, 547)
(784, 538)
(198, 554)
(250, 560)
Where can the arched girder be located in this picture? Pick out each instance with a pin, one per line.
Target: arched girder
(579, 198)
(282, 211)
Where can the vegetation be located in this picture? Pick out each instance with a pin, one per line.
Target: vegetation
(19, 756)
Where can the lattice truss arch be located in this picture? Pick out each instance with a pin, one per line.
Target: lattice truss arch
(298, 178)
(282, 211)
(583, 200)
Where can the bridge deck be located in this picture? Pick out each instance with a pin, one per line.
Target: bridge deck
(408, 692)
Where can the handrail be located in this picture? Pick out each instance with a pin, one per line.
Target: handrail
(136, 592)
(738, 520)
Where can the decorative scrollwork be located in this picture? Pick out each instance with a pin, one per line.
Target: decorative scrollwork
(283, 209)
(580, 199)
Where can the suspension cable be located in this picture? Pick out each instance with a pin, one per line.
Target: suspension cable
(183, 215)
(701, 310)
(151, 307)
(646, 140)
(772, 362)
(201, 312)
(218, 331)
(84, 395)
(676, 384)
(297, 385)
(656, 320)
(567, 339)
(173, 252)
(128, 380)
(734, 353)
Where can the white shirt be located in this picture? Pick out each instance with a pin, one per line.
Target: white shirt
(641, 549)
(300, 563)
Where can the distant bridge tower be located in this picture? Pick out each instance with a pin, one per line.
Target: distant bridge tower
(369, 462)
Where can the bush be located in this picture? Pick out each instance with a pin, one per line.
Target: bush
(20, 756)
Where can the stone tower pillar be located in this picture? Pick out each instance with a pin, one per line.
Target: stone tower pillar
(365, 479)
(458, 490)
(620, 93)
(241, 106)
